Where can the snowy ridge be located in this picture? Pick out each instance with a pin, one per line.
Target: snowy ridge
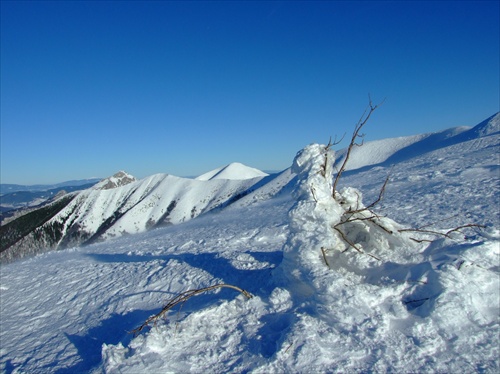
(122, 205)
(393, 150)
(233, 171)
(420, 307)
(490, 126)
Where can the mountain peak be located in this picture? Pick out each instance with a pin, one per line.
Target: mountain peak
(119, 179)
(234, 171)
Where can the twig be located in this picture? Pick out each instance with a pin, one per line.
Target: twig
(437, 233)
(335, 142)
(465, 226)
(379, 198)
(354, 245)
(313, 193)
(181, 299)
(324, 257)
(416, 301)
(362, 121)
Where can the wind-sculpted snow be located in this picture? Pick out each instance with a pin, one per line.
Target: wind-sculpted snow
(420, 307)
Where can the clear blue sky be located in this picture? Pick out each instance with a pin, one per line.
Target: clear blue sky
(90, 88)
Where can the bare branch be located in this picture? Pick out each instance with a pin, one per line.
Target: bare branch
(362, 121)
(437, 233)
(335, 142)
(323, 250)
(465, 226)
(353, 244)
(314, 193)
(379, 198)
(421, 240)
(181, 299)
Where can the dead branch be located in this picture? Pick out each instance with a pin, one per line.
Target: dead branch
(421, 240)
(416, 301)
(367, 208)
(353, 245)
(323, 250)
(335, 142)
(325, 164)
(357, 214)
(313, 192)
(181, 299)
(380, 195)
(437, 233)
(327, 148)
(355, 135)
(465, 226)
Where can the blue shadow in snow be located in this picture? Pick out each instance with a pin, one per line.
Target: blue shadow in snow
(112, 330)
(116, 328)
(250, 279)
(120, 257)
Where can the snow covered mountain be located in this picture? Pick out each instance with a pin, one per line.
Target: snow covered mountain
(121, 205)
(336, 287)
(235, 171)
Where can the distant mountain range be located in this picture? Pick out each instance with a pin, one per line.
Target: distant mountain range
(121, 204)
(17, 199)
(30, 199)
(6, 188)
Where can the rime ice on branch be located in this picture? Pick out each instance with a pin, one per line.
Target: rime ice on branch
(323, 227)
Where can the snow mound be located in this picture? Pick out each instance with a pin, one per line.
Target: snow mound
(234, 171)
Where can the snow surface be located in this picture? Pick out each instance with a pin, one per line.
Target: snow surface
(423, 307)
(233, 171)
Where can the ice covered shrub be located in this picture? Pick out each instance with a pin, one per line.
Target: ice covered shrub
(325, 224)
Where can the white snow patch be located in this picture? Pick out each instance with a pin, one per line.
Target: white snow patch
(234, 171)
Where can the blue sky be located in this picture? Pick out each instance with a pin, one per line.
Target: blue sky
(90, 88)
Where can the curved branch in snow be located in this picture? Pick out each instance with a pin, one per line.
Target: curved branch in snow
(182, 298)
